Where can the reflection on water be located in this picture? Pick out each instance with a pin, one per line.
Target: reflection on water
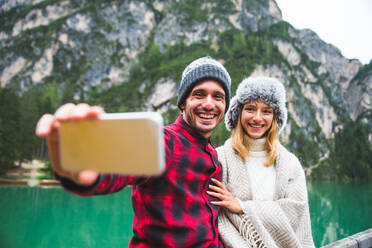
(52, 217)
(339, 210)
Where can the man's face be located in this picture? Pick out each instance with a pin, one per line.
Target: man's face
(204, 107)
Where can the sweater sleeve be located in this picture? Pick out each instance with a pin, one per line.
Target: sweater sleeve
(105, 184)
(286, 221)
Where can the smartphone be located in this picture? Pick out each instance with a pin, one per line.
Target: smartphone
(122, 143)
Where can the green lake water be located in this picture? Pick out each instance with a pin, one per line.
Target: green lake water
(52, 217)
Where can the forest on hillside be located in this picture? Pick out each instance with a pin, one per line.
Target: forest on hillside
(349, 157)
(86, 39)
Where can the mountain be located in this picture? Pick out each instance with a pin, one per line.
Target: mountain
(129, 55)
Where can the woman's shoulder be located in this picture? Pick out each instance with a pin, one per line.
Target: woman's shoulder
(288, 157)
(284, 151)
(225, 153)
(224, 147)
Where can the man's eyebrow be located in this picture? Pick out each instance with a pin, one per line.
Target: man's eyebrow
(219, 92)
(198, 90)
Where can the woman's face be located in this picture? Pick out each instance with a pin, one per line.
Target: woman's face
(256, 119)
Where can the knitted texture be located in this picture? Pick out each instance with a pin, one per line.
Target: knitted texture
(281, 222)
(263, 89)
(199, 70)
(250, 234)
(262, 178)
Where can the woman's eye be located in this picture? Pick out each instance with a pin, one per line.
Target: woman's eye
(268, 111)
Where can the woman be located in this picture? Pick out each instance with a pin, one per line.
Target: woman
(263, 192)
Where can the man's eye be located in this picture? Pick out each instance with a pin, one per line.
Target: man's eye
(220, 97)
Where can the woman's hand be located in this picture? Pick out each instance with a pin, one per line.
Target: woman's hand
(227, 199)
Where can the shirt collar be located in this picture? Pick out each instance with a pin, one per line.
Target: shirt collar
(190, 133)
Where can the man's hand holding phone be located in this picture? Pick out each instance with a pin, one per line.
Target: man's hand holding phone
(48, 127)
(83, 141)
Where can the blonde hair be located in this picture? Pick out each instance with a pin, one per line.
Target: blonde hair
(240, 141)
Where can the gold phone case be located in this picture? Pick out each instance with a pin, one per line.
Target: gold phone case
(123, 143)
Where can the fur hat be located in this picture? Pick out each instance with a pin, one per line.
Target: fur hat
(263, 89)
(199, 70)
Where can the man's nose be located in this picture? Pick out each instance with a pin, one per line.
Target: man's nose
(208, 103)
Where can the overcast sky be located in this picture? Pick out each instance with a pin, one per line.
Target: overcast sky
(346, 24)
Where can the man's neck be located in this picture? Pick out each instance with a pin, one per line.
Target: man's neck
(204, 135)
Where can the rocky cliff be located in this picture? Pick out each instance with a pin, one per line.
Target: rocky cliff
(129, 55)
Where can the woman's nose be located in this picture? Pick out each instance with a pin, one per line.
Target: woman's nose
(257, 115)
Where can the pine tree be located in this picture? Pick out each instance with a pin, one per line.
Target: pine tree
(9, 128)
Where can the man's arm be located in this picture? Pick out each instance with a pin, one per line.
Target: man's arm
(104, 184)
(84, 182)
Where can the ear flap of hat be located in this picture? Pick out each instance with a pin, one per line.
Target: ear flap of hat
(232, 114)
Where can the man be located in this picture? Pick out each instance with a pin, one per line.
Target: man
(171, 210)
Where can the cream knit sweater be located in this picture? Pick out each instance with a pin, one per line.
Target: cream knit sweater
(261, 177)
(281, 222)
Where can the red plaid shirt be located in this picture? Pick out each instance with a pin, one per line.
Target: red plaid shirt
(171, 210)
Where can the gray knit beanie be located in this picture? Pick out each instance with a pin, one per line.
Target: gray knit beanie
(263, 89)
(199, 70)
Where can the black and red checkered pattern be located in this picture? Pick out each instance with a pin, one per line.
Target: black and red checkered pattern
(171, 210)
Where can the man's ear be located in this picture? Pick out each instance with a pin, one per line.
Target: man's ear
(182, 107)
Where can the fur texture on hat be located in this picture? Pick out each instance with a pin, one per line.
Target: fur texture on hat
(199, 70)
(263, 89)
